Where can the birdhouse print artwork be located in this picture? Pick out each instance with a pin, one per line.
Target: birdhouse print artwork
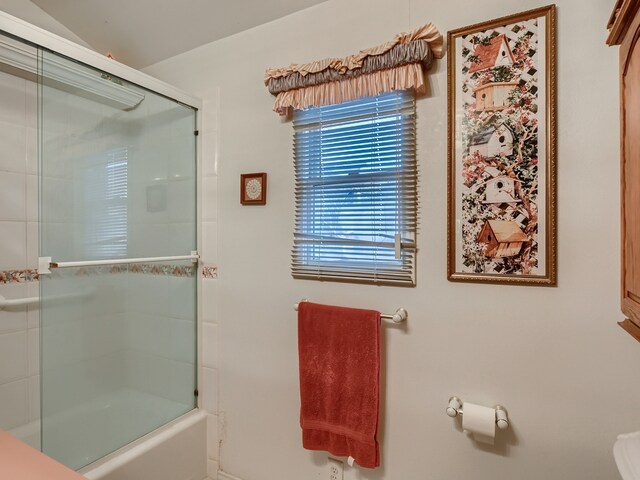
(494, 96)
(496, 148)
(501, 238)
(492, 142)
(495, 52)
(500, 190)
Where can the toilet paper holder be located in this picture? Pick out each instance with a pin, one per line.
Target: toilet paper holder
(455, 408)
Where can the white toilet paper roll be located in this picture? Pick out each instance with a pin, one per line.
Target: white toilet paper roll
(480, 422)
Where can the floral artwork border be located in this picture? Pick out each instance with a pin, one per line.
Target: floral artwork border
(502, 150)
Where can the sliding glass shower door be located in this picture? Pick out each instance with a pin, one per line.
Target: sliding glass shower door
(117, 205)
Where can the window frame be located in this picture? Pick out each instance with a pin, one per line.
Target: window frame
(382, 157)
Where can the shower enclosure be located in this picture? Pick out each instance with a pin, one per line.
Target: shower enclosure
(118, 252)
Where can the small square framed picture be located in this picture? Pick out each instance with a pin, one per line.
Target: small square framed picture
(253, 188)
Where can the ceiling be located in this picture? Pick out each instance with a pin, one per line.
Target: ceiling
(142, 32)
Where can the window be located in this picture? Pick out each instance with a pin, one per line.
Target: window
(106, 210)
(356, 176)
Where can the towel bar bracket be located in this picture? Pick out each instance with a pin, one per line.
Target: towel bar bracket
(401, 315)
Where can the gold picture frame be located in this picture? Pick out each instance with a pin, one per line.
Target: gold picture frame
(502, 150)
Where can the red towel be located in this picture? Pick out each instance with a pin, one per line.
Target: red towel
(339, 351)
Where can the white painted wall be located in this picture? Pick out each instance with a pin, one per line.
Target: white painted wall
(553, 356)
(30, 12)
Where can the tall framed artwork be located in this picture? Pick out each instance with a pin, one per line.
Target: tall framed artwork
(502, 150)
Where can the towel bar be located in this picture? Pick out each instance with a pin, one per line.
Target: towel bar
(401, 314)
(45, 264)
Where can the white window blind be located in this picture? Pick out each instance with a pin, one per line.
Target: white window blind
(356, 189)
(106, 207)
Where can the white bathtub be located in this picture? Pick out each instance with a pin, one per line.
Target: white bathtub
(175, 451)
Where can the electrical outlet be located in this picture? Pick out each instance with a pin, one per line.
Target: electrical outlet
(336, 468)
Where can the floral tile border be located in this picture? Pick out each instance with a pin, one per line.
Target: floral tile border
(19, 276)
(31, 275)
(209, 271)
(88, 271)
(144, 268)
(163, 269)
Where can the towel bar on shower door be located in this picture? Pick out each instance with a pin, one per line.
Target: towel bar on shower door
(401, 314)
(45, 264)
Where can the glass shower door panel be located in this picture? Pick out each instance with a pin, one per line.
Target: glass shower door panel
(117, 181)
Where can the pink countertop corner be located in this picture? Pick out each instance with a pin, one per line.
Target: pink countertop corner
(19, 461)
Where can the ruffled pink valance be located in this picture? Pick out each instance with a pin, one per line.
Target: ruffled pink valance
(395, 65)
(367, 85)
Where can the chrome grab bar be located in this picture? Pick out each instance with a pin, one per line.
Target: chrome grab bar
(17, 302)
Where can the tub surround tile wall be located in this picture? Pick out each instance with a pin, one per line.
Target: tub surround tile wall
(89, 363)
(19, 368)
(15, 406)
(13, 139)
(19, 349)
(209, 254)
(14, 345)
(33, 310)
(13, 248)
(159, 336)
(208, 378)
(13, 191)
(209, 192)
(13, 319)
(18, 161)
(210, 339)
